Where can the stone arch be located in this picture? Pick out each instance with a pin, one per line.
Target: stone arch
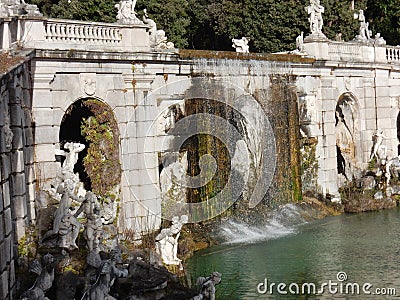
(70, 131)
(347, 135)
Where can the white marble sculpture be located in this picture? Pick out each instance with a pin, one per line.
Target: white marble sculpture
(93, 227)
(378, 150)
(65, 225)
(173, 177)
(9, 8)
(241, 45)
(71, 157)
(364, 33)
(158, 39)
(167, 241)
(300, 42)
(315, 10)
(126, 12)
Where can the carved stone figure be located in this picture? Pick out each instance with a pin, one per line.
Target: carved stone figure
(167, 241)
(43, 283)
(378, 150)
(126, 12)
(9, 135)
(315, 10)
(379, 41)
(300, 42)
(207, 286)
(71, 157)
(158, 40)
(241, 45)
(65, 225)
(18, 7)
(106, 274)
(364, 33)
(173, 177)
(93, 227)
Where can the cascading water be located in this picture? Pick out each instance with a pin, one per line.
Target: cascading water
(282, 221)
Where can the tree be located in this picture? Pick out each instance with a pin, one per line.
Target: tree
(384, 17)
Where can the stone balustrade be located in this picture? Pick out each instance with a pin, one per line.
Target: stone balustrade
(89, 33)
(344, 51)
(393, 54)
(57, 34)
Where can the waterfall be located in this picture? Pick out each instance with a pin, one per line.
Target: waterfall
(283, 221)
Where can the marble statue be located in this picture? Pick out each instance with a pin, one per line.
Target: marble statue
(126, 12)
(93, 227)
(300, 42)
(392, 168)
(364, 32)
(241, 45)
(167, 241)
(315, 10)
(379, 41)
(107, 272)
(65, 225)
(71, 157)
(45, 272)
(378, 150)
(207, 286)
(158, 39)
(18, 7)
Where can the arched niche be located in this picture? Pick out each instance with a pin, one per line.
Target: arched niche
(347, 135)
(101, 116)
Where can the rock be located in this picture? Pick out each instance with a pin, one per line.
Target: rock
(367, 183)
(378, 195)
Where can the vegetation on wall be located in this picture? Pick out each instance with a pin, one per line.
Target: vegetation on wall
(102, 160)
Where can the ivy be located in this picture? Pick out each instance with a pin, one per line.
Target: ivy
(102, 160)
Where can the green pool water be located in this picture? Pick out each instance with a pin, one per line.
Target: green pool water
(364, 246)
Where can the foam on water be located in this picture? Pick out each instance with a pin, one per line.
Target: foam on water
(283, 221)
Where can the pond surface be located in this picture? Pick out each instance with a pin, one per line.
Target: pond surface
(364, 246)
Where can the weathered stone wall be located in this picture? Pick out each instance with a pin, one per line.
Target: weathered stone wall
(17, 185)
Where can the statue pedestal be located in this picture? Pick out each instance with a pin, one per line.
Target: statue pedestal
(316, 37)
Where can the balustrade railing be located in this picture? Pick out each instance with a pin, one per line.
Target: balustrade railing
(88, 33)
(344, 51)
(393, 54)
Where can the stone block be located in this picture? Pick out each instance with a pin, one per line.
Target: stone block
(115, 98)
(18, 141)
(7, 221)
(18, 184)
(28, 133)
(19, 206)
(42, 98)
(120, 116)
(43, 116)
(47, 170)
(16, 115)
(20, 228)
(5, 167)
(386, 124)
(383, 113)
(17, 161)
(4, 292)
(45, 153)
(329, 164)
(3, 256)
(29, 174)
(5, 187)
(46, 135)
(29, 157)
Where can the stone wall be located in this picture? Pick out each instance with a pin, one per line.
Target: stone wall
(17, 185)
